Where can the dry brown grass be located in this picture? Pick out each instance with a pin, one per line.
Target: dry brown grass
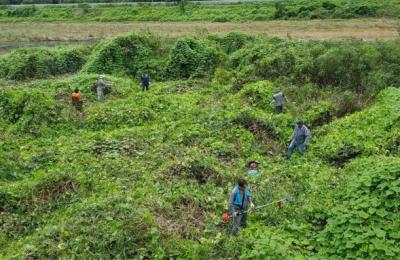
(368, 29)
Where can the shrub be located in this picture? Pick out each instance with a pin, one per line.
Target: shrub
(22, 11)
(126, 55)
(364, 223)
(222, 77)
(280, 11)
(347, 102)
(328, 5)
(221, 19)
(258, 95)
(34, 63)
(365, 10)
(365, 133)
(29, 112)
(233, 41)
(271, 60)
(192, 57)
(320, 114)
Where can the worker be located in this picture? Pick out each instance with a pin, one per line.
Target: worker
(238, 201)
(278, 99)
(101, 85)
(145, 80)
(76, 100)
(300, 138)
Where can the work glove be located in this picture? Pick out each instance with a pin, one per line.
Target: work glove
(252, 206)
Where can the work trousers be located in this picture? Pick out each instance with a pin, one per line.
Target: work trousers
(78, 106)
(100, 95)
(239, 221)
(278, 109)
(294, 145)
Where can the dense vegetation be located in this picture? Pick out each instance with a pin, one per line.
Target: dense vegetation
(303, 9)
(148, 174)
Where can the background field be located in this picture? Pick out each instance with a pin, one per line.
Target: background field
(13, 35)
(261, 11)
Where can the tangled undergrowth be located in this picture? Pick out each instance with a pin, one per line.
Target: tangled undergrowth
(147, 175)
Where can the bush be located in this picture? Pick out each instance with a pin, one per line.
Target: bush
(328, 5)
(320, 114)
(35, 63)
(233, 41)
(127, 55)
(363, 133)
(271, 60)
(257, 95)
(364, 223)
(22, 12)
(221, 19)
(345, 66)
(30, 112)
(108, 228)
(192, 57)
(280, 11)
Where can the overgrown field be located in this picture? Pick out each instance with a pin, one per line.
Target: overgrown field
(299, 9)
(148, 174)
(13, 35)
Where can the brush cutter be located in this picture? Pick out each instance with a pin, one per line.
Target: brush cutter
(279, 203)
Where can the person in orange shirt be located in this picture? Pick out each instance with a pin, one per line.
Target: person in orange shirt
(76, 100)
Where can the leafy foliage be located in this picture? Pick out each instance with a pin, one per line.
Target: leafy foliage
(260, 11)
(29, 112)
(25, 64)
(147, 174)
(192, 57)
(126, 55)
(364, 223)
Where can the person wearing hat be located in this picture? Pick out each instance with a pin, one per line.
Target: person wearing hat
(300, 139)
(278, 99)
(101, 85)
(238, 201)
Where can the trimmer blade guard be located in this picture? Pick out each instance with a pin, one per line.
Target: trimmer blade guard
(287, 200)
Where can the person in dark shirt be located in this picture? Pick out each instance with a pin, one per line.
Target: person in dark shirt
(145, 80)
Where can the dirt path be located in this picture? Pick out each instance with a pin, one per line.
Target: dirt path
(367, 29)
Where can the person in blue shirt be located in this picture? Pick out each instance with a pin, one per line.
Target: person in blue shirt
(238, 202)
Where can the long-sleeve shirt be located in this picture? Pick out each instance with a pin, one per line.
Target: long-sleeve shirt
(239, 199)
(145, 79)
(101, 84)
(279, 98)
(301, 134)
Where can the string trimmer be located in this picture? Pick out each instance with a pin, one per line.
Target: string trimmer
(279, 203)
